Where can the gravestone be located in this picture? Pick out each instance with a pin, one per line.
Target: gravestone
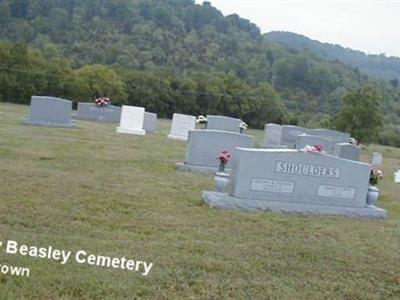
(93, 112)
(347, 151)
(131, 122)
(287, 180)
(50, 111)
(397, 177)
(181, 124)
(333, 135)
(311, 140)
(223, 123)
(290, 133)
(273, 136)
(150, 122)
(204, 146)
(376, 159)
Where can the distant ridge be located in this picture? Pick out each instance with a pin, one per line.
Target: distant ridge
(378, 66)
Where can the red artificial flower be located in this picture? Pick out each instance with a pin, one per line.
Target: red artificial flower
(318, 148)
(224, 156)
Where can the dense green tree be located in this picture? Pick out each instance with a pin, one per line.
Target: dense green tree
(360, 114)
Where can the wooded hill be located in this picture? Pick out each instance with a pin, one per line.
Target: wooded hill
(378, 66)
(172, 56)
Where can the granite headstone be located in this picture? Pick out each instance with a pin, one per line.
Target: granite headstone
(303, 140)
(215, 122)
(288, 180)
(93, 112)
(273, 136)
(50, 111)
(347, 151)
(150, 122)
(376, 159)
(181, 124)
(204, 146)
(290, 133)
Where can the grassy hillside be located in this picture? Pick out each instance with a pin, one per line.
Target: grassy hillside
(120, 195)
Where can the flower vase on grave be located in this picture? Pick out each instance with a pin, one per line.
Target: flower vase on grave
(221, 182)
(221, 178)
(372, 195)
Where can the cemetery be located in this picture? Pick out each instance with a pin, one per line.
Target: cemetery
(328, 208)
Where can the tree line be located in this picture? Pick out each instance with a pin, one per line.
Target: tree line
(170, 56)
(25, 72)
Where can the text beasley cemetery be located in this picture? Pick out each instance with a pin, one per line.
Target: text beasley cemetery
(80, 256)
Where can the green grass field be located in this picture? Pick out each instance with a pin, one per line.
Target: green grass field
(120, 195)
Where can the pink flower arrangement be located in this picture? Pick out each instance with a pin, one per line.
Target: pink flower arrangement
(102, 101)
(223, 157)
(316, 148)
(375, 176)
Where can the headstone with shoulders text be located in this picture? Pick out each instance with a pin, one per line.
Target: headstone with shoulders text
(287, 180)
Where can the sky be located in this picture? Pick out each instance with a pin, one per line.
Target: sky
(370, 26)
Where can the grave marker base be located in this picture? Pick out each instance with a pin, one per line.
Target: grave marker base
(49, 124)
(199, 169)
(177, 137)
(131, 131)
(225, 201)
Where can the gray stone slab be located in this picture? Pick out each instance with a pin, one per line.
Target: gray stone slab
(347, 151)
(50, 111)
(296, 181)
(330, 134)
(224, 201)
(181, 124)
(272, 135)
(204, 146)
(199, 169)
(376, 159)
(215, 122)
(311, 140)
(93, 112)
(150, 122)
(290, 133)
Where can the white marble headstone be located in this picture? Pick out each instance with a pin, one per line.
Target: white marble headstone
(132, 118)
(273, 136)
(376, 159)
(181, 124)
(397, 177)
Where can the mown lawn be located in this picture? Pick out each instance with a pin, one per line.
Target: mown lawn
(120, 195)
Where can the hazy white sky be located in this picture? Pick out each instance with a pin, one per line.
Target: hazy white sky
(369, 26)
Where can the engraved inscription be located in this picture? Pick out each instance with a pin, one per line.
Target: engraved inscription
(307, 170)
(336, 191)
(270, 185)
